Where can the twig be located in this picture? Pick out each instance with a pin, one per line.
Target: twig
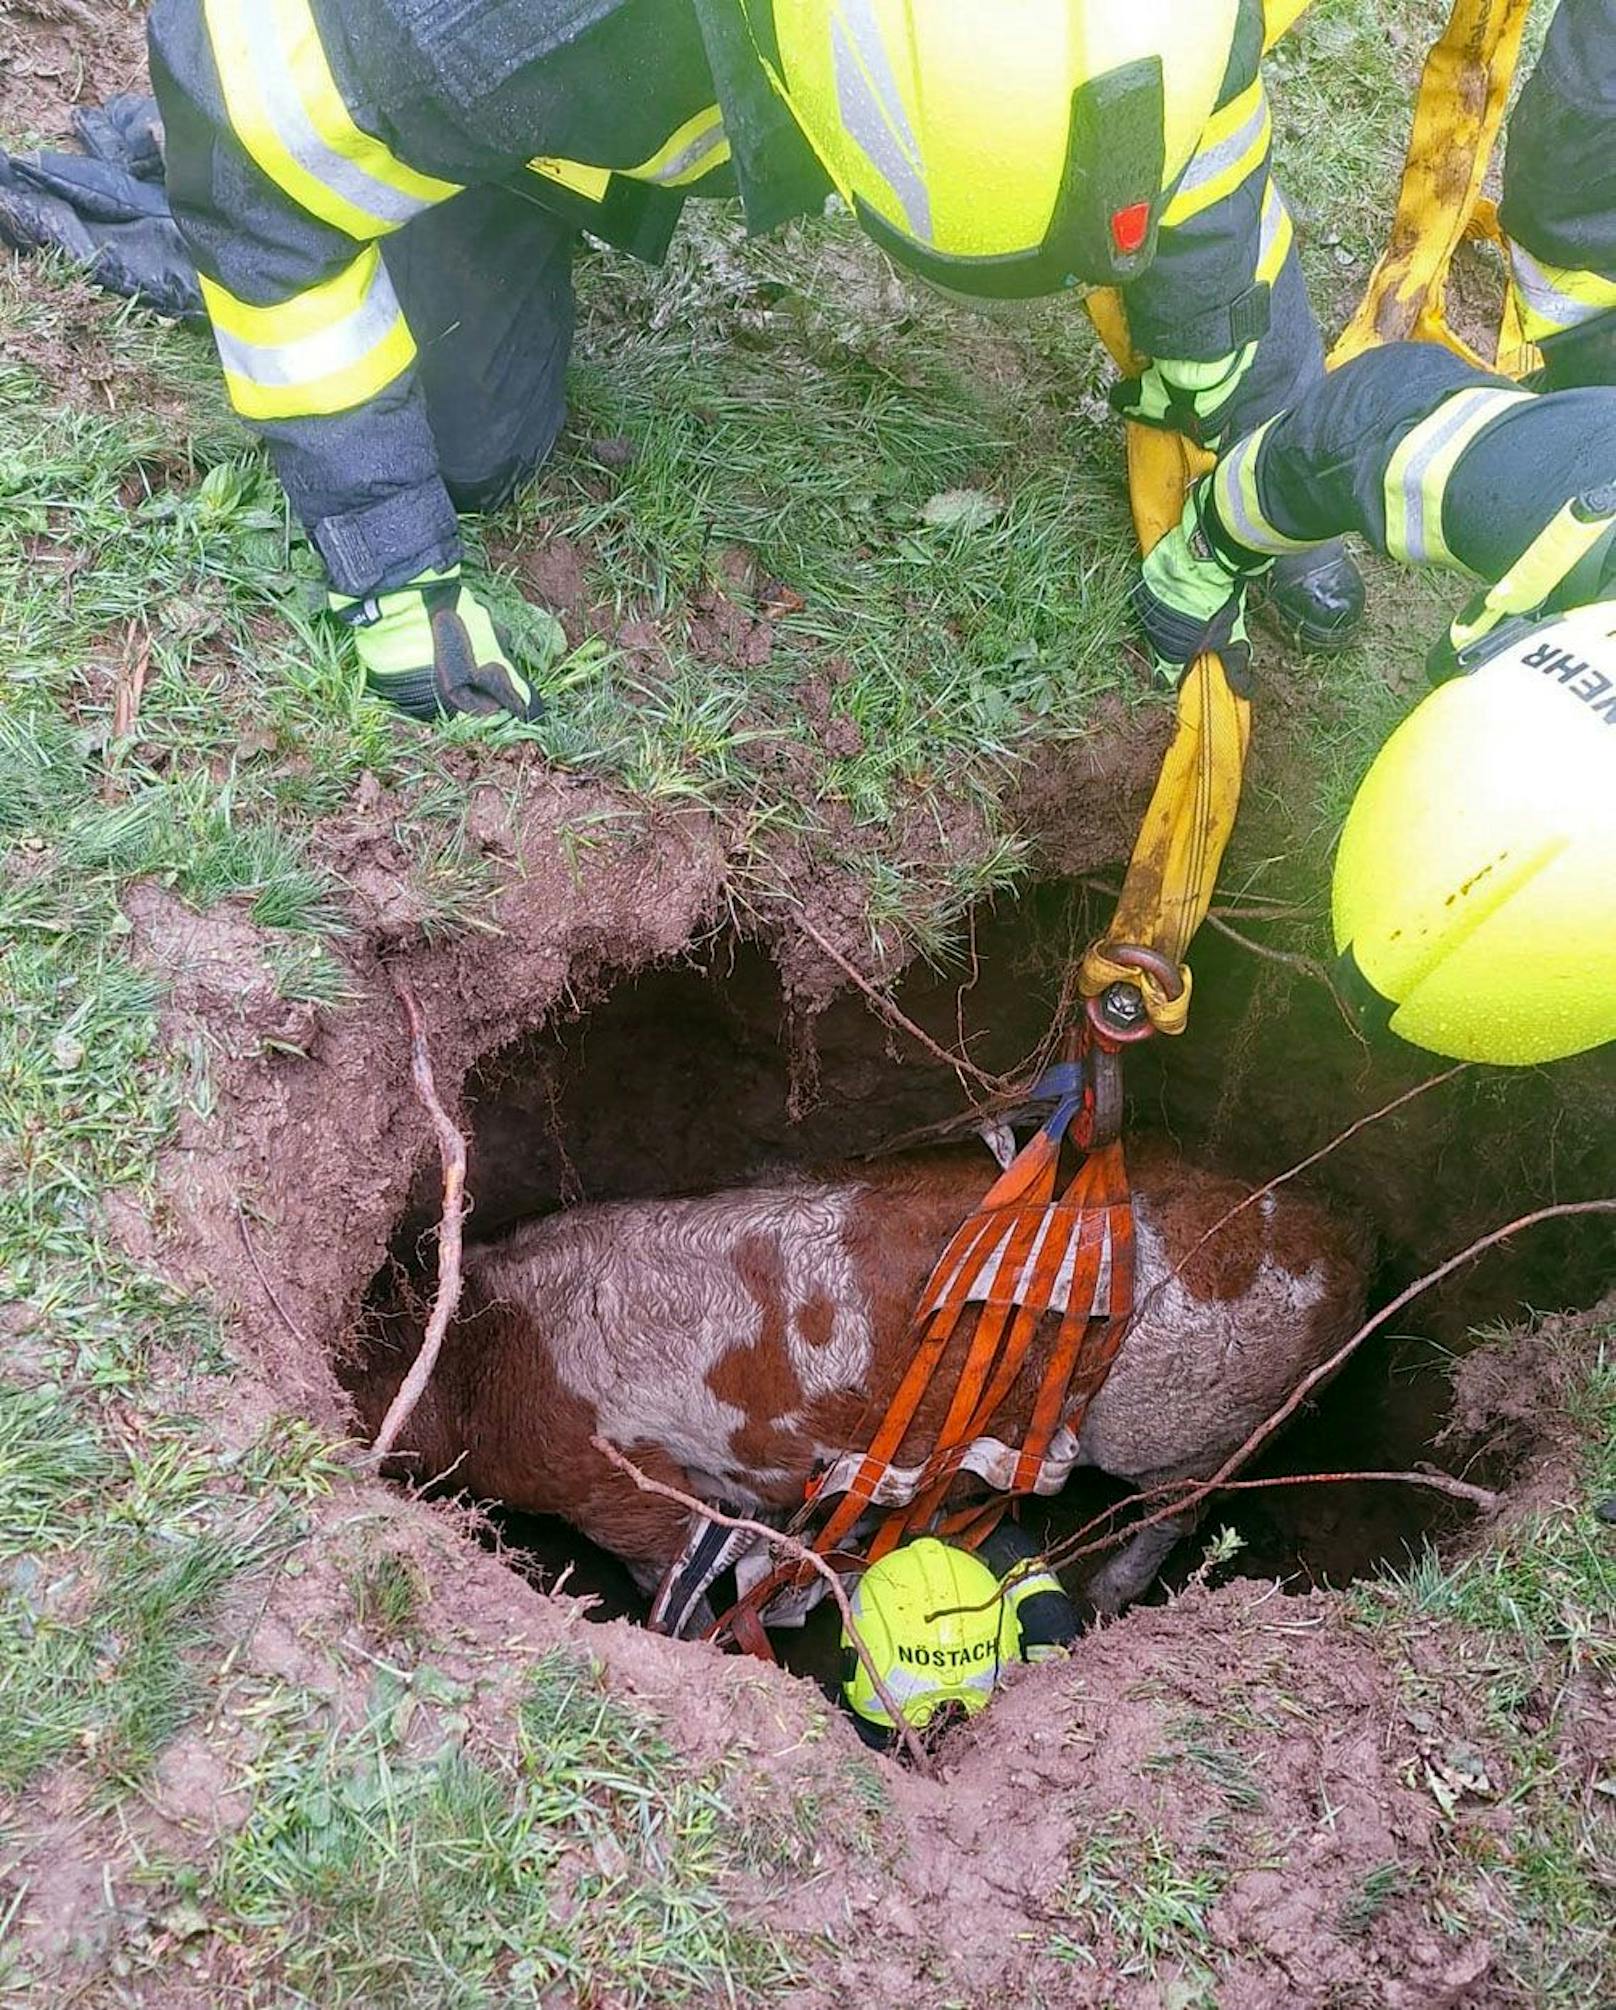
(132, 675)
(1292, 959)
(1483, 1498)
(452, 1153)
(1197, 1491)
(130, 688)
(1247, 909)
(997, 1085)
(270, 1292)
(1284, 1178)
(801, 1554)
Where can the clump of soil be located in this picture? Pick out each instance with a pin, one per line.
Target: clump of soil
(56, 54)
(1231, 1768)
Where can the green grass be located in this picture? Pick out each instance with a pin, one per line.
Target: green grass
(587, 1861)
(1199, 1744)
(1376, 1891)
(1527, 1626)
(1131, 1895)
(98, 1630)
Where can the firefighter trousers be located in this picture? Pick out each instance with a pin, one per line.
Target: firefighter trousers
(486, 283)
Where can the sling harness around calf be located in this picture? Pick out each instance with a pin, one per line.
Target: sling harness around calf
(1033, 1250)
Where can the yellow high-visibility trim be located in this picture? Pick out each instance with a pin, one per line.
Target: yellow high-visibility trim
(330, 116)
(1279, 17)
(323, 351)
(1234, 145)
(340, 391)
(1417, 474)
(694, 150)
(285, 108)
(1553, 298)
(310, 313)
(589, 182)
(1239, 506)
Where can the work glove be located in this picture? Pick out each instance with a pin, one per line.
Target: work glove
(1190, 597)
(105, 208)
(431, 650)
(1182, 397)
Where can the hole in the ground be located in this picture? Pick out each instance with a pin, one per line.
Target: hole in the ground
(687, 1079)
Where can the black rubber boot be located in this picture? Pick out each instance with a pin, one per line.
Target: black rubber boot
(1316, 597)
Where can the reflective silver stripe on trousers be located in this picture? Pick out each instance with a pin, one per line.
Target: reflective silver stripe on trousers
(1204, 167)
(1234, 482)
(687, 157)
(311, 358)
(1275, 217)
(1422, 542)
(1542, 296)
(284, 103)
(872, 111)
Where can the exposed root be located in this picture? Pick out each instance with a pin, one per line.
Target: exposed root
(1486, 1499)
(800, 1553)
(269, 1290)
(996, 1085)
(1190, 1494)
(452, 1152)
(1282, 1179)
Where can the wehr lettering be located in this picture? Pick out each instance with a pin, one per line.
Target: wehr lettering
(1596, 690)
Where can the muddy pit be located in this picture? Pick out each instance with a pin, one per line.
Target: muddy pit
(697, 1074)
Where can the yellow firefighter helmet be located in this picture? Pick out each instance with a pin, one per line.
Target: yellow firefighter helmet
(1475, 884)
(1002, 147)
(939, 1629)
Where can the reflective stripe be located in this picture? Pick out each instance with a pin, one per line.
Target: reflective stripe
(1239, 507)
(695, 149)
(908, 1687)
(873, 114)
(1036, 1584)
(1276, 235)
(325, 351)
(287, 112)
(1234, 145)
(1556, 297)
(1417, 474)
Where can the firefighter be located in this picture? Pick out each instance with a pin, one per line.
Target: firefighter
(381, 198)
(1559, 203)
(1475, 909)
(941, 1627)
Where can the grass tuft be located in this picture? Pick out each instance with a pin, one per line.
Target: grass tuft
(583, 1862)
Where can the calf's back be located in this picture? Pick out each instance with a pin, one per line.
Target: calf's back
(730, 1341)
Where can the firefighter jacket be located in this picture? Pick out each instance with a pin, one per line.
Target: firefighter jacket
(1431, 460)
(1559, 203)
(302, 133)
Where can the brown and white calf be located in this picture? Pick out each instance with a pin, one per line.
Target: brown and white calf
(730, 1342)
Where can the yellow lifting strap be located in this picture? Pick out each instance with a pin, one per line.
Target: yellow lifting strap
(1462, 95)
(1181, 842)
(1279, 17)
(1180, 847)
